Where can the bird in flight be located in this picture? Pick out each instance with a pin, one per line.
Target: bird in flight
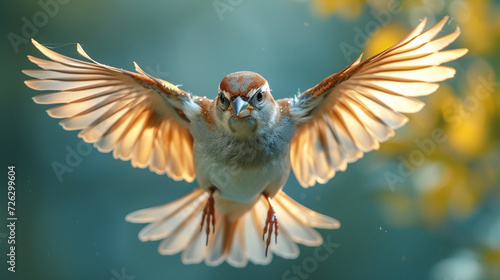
(242, 145)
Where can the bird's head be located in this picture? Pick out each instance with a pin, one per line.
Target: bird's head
(245, 105)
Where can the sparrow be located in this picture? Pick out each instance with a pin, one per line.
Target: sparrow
(242, 145)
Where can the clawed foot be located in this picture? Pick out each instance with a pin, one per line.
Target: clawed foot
(271, 222)
(209, 214)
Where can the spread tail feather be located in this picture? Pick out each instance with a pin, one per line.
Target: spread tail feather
(237, 241)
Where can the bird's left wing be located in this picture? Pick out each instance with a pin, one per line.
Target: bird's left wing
(140, 118)
(349, 113)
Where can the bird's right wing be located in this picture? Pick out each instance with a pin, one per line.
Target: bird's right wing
(140, 118)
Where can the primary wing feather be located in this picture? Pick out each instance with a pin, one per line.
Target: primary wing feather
(138, 117)
(351, 112)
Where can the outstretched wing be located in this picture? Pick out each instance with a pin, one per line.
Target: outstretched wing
(138, 117)
(349, 113)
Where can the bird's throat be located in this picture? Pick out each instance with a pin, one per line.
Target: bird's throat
(243, 127)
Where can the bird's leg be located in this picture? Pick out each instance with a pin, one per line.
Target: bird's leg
(271, 222)
(209, 213)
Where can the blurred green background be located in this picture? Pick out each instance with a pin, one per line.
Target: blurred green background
(416, 209)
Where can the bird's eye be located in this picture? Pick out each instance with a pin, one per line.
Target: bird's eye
(259, 96)
(223, 99)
